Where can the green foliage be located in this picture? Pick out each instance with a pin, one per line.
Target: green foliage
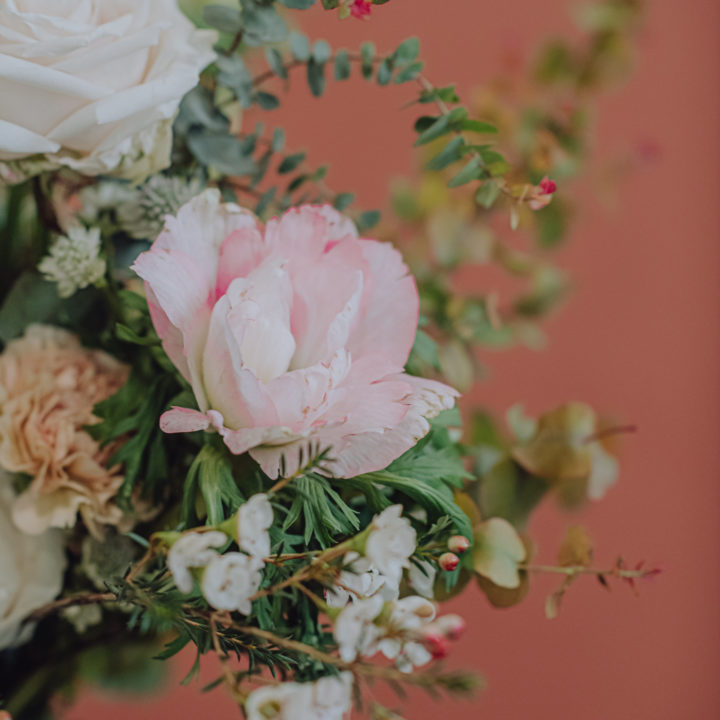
(130, 417)
(34, 300)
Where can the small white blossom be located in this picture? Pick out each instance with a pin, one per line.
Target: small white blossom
(329, 698)
(230, 580)
(103, 197)
(355, 630)
(390, 543)
(193, 550)
(254, 518)
(422, 578)
(359, 579)
(403, 627)
(74, 261)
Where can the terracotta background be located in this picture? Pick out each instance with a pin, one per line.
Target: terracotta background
(640, 337)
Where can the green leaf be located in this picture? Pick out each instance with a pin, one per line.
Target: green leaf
(330, 4)
(299, 46)
(222, 152)
(290, 162)
(316, 77)
(266, 100)
(448, 155)
(262, 25)
(34, 300)
(321, 51)
(342, 65)
(298, 4)
(368, 220)
(222, 17)
(343, 200)
(126, 334)
(435, 501)
(407, 51)
(278, 140)
(441, 125)
(409, 73)
(265, 199)
(446, 94)
(384, 74)
(477, 126)
(487, 194)
(471, 171)
(497, 553)
(367, 53)
(275, 61)
(551, 224)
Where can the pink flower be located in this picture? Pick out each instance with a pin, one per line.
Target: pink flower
(360, 9)
(541, 195)
(290, 335)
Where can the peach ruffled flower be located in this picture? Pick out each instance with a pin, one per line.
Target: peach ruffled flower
(49, 385)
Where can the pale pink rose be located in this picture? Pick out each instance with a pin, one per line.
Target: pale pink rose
(49, 384)
(291, 334)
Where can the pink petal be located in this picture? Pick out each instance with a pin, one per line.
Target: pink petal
(389, 322)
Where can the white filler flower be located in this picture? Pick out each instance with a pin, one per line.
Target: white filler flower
(254, 518)
(94, 84)
(355, 630)
(193, 550)
(31, 568)
(359, 579)
(74, 261)
(230, 580)
(391, 542)
(329, 698)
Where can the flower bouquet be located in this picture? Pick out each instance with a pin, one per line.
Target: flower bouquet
(228, 411)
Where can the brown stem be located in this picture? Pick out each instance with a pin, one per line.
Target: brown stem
(72, 601)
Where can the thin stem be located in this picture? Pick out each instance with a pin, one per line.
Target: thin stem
(72, 601)
(572, 570)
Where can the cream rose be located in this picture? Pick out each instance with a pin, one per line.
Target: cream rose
(49, 384)
(31, 568)
(94, 84)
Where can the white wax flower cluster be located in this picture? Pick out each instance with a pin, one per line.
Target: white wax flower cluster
(74, 261)
(328, 698)
(388, 547)
(227, 580)
(369, 626)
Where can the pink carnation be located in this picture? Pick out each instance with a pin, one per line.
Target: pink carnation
(292, 334)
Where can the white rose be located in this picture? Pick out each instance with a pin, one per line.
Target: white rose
(253, 520)
(230, 580)
(31, 568)
(94, 84)
(391, 542)
(193, 550)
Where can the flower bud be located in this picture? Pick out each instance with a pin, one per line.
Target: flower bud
(458, 544)
(435, 642)
(452, 626)
(448, 561)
